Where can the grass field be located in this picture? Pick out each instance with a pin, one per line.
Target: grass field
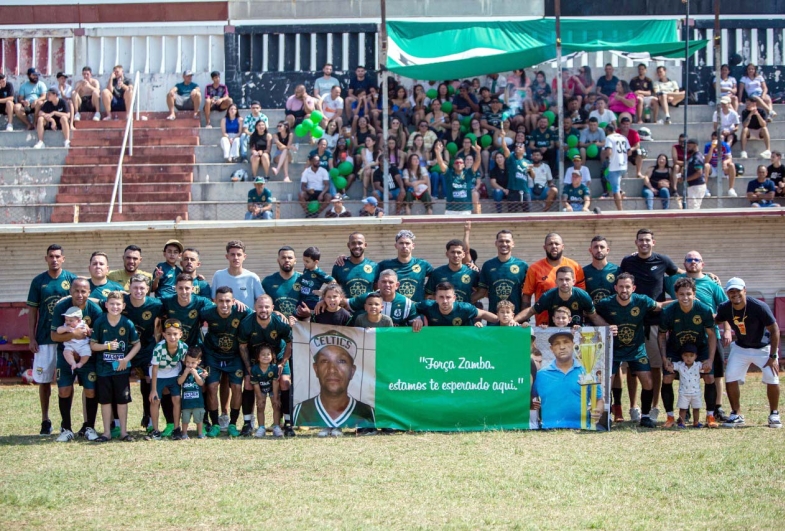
(626, 479)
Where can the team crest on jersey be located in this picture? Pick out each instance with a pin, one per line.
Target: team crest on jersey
(235, 323)
(574, 305)
(88, 320)
(192, 314)
(697, 320)
(407, 289)
(635, 312)
(238, 373)
(416, 268)
(273, 335)
(397, 313)
(610, 277)
(367, 268)
(457, 321)
(105, 292)
(270, 374)
(146, 316)
(196, 289)
(225, 343)
(296, 286)
(122, 331)
(626, 334)
(466, 279)
(643, 360)
(514, 269)
(92, 377)
(65, 284)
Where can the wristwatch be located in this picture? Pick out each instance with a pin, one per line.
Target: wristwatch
(773, 356)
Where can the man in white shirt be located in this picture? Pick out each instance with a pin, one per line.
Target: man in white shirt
(667, 92)
(541, 183)
(728, 120)
(65, 91)
(332, 107)
(245, 284)
(618, 152)
(323, 85)
(603, 113)
(577, 166)
(314, 186)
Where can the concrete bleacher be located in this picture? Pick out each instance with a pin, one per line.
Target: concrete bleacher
(30, 178)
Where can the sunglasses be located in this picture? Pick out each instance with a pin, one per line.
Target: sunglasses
(172, 325)
(693, 260)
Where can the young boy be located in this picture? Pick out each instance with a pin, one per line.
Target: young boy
(192, 381)
(264, 378)
(689, 385)
(165, 369)
(115, 336)
(166, 272)
(505, 310)
(313, 278)
(76, 351)
(373, 316)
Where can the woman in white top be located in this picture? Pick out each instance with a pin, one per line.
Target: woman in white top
(369, 158)
(419, 103)
(755, 87)
(728, 87)
(417, 183)
(331, 134)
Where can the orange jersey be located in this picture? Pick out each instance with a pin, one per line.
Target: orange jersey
(542, 276)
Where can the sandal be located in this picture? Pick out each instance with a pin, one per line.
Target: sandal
(127, 438)
(101, 439)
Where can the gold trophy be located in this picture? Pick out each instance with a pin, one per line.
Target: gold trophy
(588, 351)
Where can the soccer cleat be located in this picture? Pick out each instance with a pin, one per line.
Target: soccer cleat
(669, 422)
(233, 432)
(245, 432)
(711, 422)
(734, 421)
(732, 193)
(260, 433)
(680, 423)
(617, 415)
(697, 425)
(154, 435)
(46, 428)
(646, 422)
(168, 430)
(223, 422)
(90, 434)
(774, 420)
(215, 431)
(65, 436)
(177, 434)
(277, 431)
(635, 414)
(288, 431)
(115, 432)
(82, 431)
(39, 145)
(654, 413)
(336, 432)
(720, 415)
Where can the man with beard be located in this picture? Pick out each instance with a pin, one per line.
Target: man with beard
(100, 286)
(355, 273)
(462, 277)
(502, 278)
(284, 286)
(189, 263)
(132, 259)
(542, 274)
(600, 275)
(412, 272)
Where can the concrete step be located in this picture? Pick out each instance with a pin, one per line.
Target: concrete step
(130, 169)
(129, 195)
(30, 175)
(140, 151)
(701, 131)
(86, 160)
(131, 212)
(153, 179)
(754, 148)
(149, 123)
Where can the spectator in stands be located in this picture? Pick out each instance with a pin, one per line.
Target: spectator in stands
(677, 155)
(249, 126)
(29, 99)
(53, 115)
(322, 86)
(394, 184)
(575, 196)
(776, 173)
(643, 88)
(331, 133)
(7, 101)
(618, 149)
(710, 152)
(728, 88)
(584, 84)
(184, 96)
(314, 186)
(658, 183)
(260, 205)
(753, 126)
(728, 120)
(568, 85)
(337, 208)
(230, 134)
(668, 94)
(541, 184)
(578, 167)
(761, 191)
(592, 135)
(602, 113)
(419, 102)
(540, 99)
(416, 181)
(636, 156)
(371, 208)
(465, 103)
(578, 116)
(496, 83)
(544, 140)
(606, 85)
(65, 92)
(87, 96)
(569, 131)
(299, 106)
(332, 107)
(284, 140)
(623, 102)
(260, 144)
(755, 87)
(118, 93)
(216, 97)
(428, 136)
(370, 161)
(696, 181)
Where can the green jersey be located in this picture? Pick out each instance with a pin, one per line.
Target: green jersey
(167, 362)
(193, 397)
(285, 292)
(44, 293)
(124, 332)
(264, 377)
(143, 319)
(259, 198)
(689, 327)
(311, 281)
(464, 280)
(462, 314)
(706, 290)
(356, 279)
(629, 343)
(600, 282)
(99, 293)
(518, 173)
(313, 413)
(277, 333)
(401, 309)
(459, 189)
(576, 196)
(188, 316)
(220, 342)
(166, 281)
(202, 287)
(504, 281)
(411, 276)
(579, 303)
(90, 315)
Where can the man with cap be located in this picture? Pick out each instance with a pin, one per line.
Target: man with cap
(7, 101)
(166, 272)
(260, 204)
(184, 96)
(757, 343)
(216, 97)
(53, 115)
(577, 166)
(728, 121)
(118, 93)
(86, 96)
(333, 408)
(371, 208)
(694, 170)
(65, 91)
(558, 386)
(338, 210)
(29, 99)
(576, 196)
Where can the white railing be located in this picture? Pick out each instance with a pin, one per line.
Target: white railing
(117, 191)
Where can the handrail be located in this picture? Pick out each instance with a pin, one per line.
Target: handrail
(129, 133)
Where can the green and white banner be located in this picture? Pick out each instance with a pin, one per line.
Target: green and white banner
(449, 378)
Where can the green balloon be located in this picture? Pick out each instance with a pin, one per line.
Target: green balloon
(592, 151)
(464, 129)
(473, 138)
(452, 147)
(313, 207)
(450, 90)
(572, 153)
(345, 168)
(340, 183)
(550, 116)
(603, 125)
(307, 124)
(572, 141)
(544, 105)
(605, 172)
(466, 120)
(334, 173)
(486, 141)
(447, 107)
(316, 117)
(300, 130)
(431, 93)
(435, 169)
(317, 131)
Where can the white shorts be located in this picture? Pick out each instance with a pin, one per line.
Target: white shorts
(740, 359)
(689, 401)
(457, 212)
(83, 349)
(44, 362)
(647, 100)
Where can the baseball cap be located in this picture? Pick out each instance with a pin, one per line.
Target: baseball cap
(334, 339)
(370, 201)
(73, 311)
(31, 71)
(176, 243)
(575, 157)
(215, 73)
(625, 119)
(735, 283)
(188, 73)
(560, 333)
(724, 99)
(60, 74)
(692, 141)
(337, 199)
(259, 180)
(52, 91)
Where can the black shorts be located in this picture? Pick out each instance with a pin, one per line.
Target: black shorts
(58, 126)
(87, 104)
(217, 107)
(314, 196)
(298, 115)
(719, 361)
(118, 104)
(114, 389)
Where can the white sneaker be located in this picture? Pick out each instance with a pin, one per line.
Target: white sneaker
(40, 144)
(660, 121)
(774, 420)
(66, 436)
(654, 413)
(744, 154)
(9, 127)
(107, 118)
(277, 431)
(766, 154)
(97, 117)
(635, 414)
(90, 434)
(223, 422)
(260, 433)
(67, 144)
(336, 432)
(732, 192)
(324, 433)
(77, 117)
(773, 113)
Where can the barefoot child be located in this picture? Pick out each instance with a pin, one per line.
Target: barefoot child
(164, 370)
(689, 385)
(192, 381)
(264, 378)
(76, 351)
(166, 272)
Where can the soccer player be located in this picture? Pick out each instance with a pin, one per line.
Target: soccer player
(116, 342)
(166, 272)
(460, 275)
(267, 327)
(185, 307)
(565, 294)
(626, 313)
(245, 284)
(412, 272)
(355, 273)
(757, 343)
(132, 259)
(502, 278)
(541, 276)
(600, 275)
(45, 290)
(445, 310)
(166, 364)
(190, 263)
(689, 321)
(284, 286)
(100, 286)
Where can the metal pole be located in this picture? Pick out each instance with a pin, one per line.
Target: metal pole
(718, 96)
(386, 177)
(687, 92)
(559, 92)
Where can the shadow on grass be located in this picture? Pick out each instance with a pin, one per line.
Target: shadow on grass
(25, 440)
